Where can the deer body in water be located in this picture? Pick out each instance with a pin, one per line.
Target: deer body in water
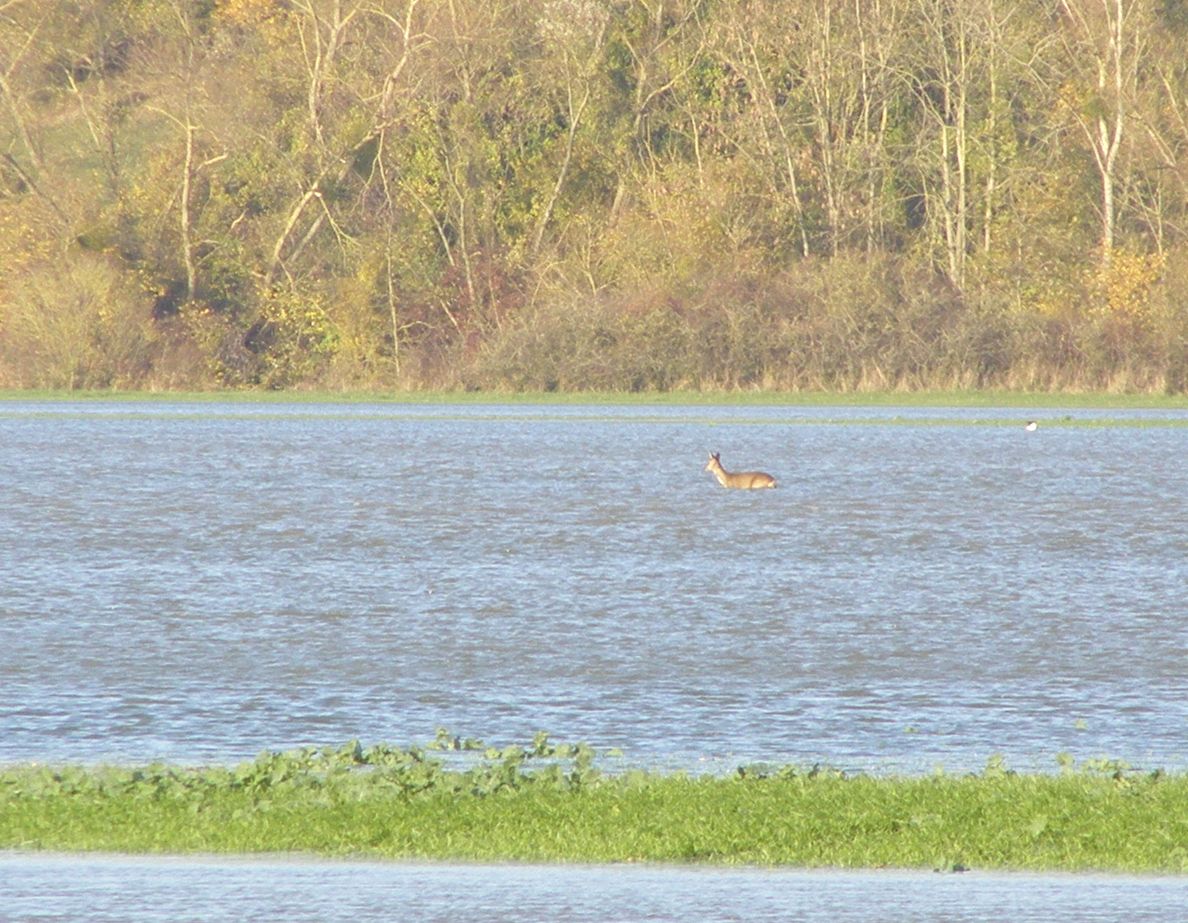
(745, 480)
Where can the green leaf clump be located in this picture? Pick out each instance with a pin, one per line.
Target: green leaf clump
(460, 799)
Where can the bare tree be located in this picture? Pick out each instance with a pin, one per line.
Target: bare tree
(11, 58)
(943, 81)
(577, 29)
(321, 30)
(1105, 41)
(877, 29)
(772, 131)
(651, 30)
(844, 60)
(192, 164)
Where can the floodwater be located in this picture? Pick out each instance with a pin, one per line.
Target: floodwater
(198, 582)
(927, 588)
(49, 889)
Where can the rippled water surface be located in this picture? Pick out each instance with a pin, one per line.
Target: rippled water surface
(198, 582)
(138, 890)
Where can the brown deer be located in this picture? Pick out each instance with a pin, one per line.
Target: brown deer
(745, 480)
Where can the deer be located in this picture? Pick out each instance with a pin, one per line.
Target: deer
(744, 480)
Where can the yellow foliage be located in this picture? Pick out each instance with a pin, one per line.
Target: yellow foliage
(300, 318)
(360, 329)
(265, 17)
(78, 321)
(301, 337)
(209, 332)
(26, 237)
(1124, 285)
(247, 12)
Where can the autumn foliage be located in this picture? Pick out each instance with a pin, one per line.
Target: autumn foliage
(620, 194)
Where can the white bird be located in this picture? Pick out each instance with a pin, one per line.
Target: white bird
(1031, 426)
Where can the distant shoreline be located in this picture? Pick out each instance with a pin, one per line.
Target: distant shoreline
(938, 398)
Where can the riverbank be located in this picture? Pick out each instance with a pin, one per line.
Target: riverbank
(552, 804)
(1070, 400)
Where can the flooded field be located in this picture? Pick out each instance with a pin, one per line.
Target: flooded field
(146, 890)
(198, 582)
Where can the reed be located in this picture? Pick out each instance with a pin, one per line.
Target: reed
(553, 803)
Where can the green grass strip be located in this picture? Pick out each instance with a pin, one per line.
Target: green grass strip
(544, 415)
(554, 408)
(549, 803)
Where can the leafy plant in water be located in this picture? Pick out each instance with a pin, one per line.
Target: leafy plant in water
(513, 803)
(447, 741)
(762, 771)
(996, 767)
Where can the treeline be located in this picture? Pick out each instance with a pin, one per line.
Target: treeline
(622, 194)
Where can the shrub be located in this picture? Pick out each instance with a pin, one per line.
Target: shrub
(81, 323)
(590, 344)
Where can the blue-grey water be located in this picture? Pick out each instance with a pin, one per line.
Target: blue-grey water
(201, 582)
(927, 588)
(64, 889)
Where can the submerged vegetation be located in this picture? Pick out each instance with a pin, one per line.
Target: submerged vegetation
(558, 803)
(582, 194)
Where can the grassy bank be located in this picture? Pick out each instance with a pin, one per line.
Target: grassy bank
(551, 804)
(943, 408)
(1070, 400)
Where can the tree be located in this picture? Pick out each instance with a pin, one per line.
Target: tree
(1105, 43)
(769, 128)
(576, 31)
(190, 82)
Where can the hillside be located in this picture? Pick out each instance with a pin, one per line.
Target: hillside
(610, 194)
